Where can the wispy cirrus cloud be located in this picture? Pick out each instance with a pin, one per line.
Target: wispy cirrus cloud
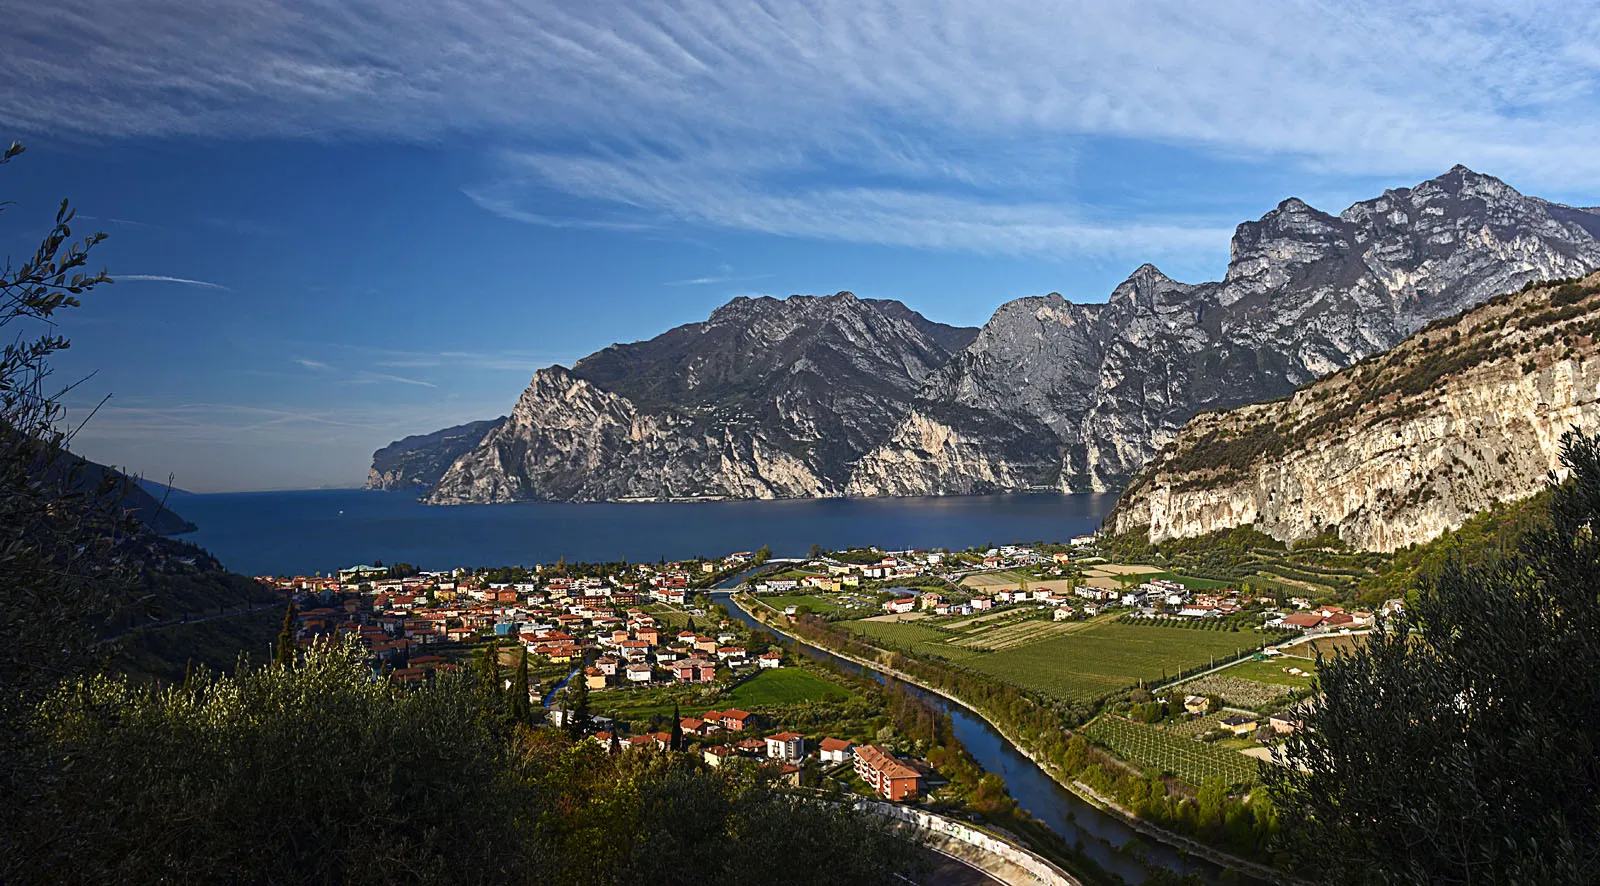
(943, 124)
(163, 278)
(724, 275)
(359, 376)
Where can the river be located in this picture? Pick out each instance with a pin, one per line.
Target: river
(1099, 835)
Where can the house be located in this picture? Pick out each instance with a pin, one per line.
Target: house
(887, 774)
(1283, 724)
(594, 678)
(1239, 724)
(904, 604)
(786, 746)
(716, 756)
(1196, 704)
(836, 750)
(1062, 613)
(697, 726)
(694, 670)
(931, 599)
(1305, 621)
(736, 720)
(770, 660)
(638, 673)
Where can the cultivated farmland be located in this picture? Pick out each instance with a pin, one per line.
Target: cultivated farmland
(1107, 656)
(1154, 749)
(1079, 661)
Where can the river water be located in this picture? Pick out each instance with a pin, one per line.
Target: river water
(1098, 835)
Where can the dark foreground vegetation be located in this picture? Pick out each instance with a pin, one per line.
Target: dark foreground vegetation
(1459, 744)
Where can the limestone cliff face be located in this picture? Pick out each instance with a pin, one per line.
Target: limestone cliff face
(766, 399)
(1053, 395)
(418, 462)
(1401, 447)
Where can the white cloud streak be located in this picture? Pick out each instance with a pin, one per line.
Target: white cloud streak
(163, 278)
(947, 124)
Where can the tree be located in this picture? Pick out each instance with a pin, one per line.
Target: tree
(575, 699)
(283, 653)
(489, 668)
(676, 742)
(59, 534)
(308, 773)
(1481, 706)
(521, 710)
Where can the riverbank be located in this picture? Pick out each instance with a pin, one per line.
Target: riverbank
(771, 619)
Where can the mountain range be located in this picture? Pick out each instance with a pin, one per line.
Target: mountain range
(835, 395)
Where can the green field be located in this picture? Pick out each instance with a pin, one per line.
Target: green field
(820, 604)
(1160, 751)
(1108, 656)
(1073, 660)
(784, 686)
(911, 637)
(668, 616)
(1271, 670)
(767, 689)
(1194, 584)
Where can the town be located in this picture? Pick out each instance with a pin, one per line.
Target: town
(637, 656)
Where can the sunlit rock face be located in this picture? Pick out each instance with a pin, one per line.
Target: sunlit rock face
(1053, 395)
(1398, 449)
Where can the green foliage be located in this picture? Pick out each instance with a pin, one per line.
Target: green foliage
(64, 544)
(520, 705)
(1482, 709)
(315, 773)
(304, 773)
(1481, 542)
(283, 651)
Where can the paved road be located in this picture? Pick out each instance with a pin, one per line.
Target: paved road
(947, 871)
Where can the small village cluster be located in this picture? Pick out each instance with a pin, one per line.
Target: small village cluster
(560, 618)
(715, 736)
(598, 626)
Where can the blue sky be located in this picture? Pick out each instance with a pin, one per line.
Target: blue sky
(390, 213)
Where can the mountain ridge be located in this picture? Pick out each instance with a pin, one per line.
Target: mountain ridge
(1465, 414)
(1306, 293)
(767, 398)
(836, 395)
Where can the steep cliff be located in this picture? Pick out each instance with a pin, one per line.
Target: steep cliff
(1052, 395)
(419, 461)
(1398, 448)
(767, 398)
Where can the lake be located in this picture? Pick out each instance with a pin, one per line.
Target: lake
(261, 533)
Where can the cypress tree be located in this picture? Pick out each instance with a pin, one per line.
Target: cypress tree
(676, 743)
(520, 709)
(283, 655)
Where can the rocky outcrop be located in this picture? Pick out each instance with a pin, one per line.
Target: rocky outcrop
(1052, 395)
(418, 462)
(768, 398)
(1399, 448)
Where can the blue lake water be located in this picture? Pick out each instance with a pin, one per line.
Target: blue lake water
(303, 532)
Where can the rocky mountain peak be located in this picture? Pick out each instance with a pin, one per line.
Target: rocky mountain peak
(830, 394)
